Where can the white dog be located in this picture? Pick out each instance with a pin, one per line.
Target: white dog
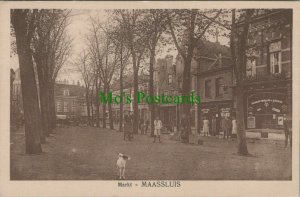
(121, 163)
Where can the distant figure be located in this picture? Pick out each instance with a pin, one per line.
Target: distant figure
(205, 126)
(234, 128)
(214, 126)
(141, 123)
(128, 132)
(184, 129)
(157, 128)
(287, 131)
(146, 127)
(225, 124)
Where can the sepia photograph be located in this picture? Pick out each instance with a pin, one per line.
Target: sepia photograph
(151, 97)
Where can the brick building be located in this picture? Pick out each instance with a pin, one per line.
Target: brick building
(268, 90)
(212, 76)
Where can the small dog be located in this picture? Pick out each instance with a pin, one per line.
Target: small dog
(121, 163)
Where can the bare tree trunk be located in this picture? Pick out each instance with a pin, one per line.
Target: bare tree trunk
(51, 106)
(186, 87)
(151, 91)
(135, 102)
(43, 88)
(28, 84)
(121, 90)
(44, 113)
(92, 107)
(238, 53)
(104, 109)
(97, 102)
(241, 135)
(111, 119)
(88, 106)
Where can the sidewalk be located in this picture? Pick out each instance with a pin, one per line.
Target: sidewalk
(273, 135)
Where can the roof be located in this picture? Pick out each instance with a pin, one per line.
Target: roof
(211, 49)
(128, 81)
(263, 13)
(74, 90)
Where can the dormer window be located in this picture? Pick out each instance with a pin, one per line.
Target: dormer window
(66, 93)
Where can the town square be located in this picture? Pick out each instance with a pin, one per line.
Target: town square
(151, 94)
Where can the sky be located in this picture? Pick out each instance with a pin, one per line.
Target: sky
(78, 28)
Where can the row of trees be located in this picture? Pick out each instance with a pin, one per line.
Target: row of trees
(131, 37)
(125, 40)
(43, 47)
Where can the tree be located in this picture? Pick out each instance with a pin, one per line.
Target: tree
(60, 52)
(84, 66)
(187, 27)
(105, 54)
(116, 35)
(156, 24)
(48, 36)
(238, 44)
(24, 23)
(136, 37)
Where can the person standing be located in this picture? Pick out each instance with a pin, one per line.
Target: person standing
(146, 126)
(184, 123)
(227, 127)
(234, 128)
(205, 126)
(225, 124)
(214, 126)
(287, 131)
(157, 128)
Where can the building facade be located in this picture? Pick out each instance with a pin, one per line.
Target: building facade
(268, 90)
(70, 100)
(214, 85)
(211, 78)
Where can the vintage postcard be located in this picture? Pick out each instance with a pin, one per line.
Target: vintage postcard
(149, 98)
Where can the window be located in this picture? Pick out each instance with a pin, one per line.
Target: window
(73, 106)
(66, 93)
(275, 62)
(58, 106)
(219, 87)
(170, 79)
(275, 57)
(66, 109)
(207, 88)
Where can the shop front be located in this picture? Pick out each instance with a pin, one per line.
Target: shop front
(266, 110)
(217, 109)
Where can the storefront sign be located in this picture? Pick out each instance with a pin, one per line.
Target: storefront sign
(251, 122)
(205, 110)
(280, 120)
(266, 103)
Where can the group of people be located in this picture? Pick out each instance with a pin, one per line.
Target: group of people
(214, 127)
(128, 130)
